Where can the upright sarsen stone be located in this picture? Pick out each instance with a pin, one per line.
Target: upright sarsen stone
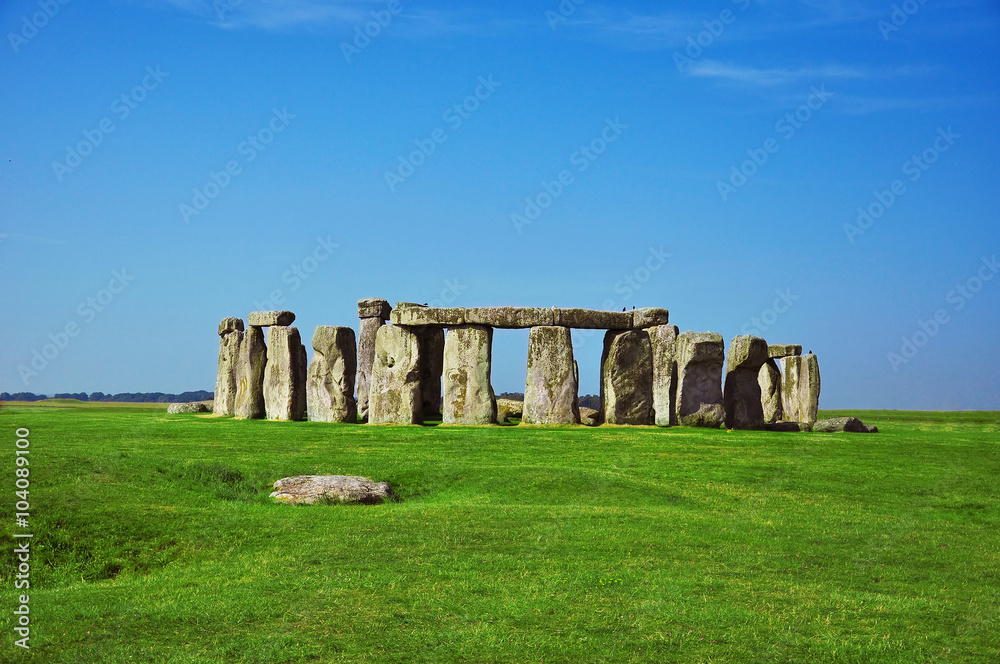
(468, 394)
(250, 389)
(330, 377)
(284, 376)
(742, 396)
(800, 387)
(700, 356)
(769, 379)
(431, 341)
(227, 378)
(627, 378)
(373, 312)
(550, 395)
(663, 340)
(395, 396)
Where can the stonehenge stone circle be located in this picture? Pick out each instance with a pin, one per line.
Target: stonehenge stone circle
(227, 378)
(769, 379)
(284, 375)
(252, 363)
(269, 318)
(663, 340)
(700, 356)
(741, 394)
(550, 393)
(395, 396)
(330, 377)
(800, 386)
(431, 354)
(627, 377)
(468, 394)
(373, 312)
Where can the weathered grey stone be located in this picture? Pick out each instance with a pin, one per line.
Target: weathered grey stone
(590, 319)
(800, 387)
(769, 379)
(509, 317)
(431, 353)
(663, 340)
(468, 359)
(252, 365)
(843, 424)
(193, 407)
(627, 377)
(700, 356)
(774, 351)
(509, 408)
(374, 307)
(230, 325)
(324, 489)
(227, 377)
(649, 317)
(268, 318)
(395, 396)
(742, 395)
(550, 395)
(330, 377)
(589, 417)
(418, 316)
(787, 426)
(284, 375)
(366, 357)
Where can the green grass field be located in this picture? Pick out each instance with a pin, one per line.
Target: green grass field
(155, 541)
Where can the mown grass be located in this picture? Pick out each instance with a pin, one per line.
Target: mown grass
(155, 541)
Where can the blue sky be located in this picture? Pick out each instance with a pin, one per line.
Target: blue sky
(170, 163)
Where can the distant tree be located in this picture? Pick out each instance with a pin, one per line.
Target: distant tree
(513, 396)
(591, 401)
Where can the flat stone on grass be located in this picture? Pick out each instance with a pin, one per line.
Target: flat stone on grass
(325, 489)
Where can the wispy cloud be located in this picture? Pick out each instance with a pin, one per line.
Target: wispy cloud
(772, 77)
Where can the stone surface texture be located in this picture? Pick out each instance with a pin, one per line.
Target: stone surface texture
(800, 387)
(742, 395)
(252, 364)
(468, 361)
(649, 317)
(193, 407)
(227, 376)
(550, 394)
(663, 340)
(325, 489)
(330, 377)
(769, 380)
(775, 351)
(589, 417)
(590, 319)
(366, 357)
(374, 307)
(627, 378)
(269, 318)
(284, 375)
(395, 396)
(700, 357)
(843, 425)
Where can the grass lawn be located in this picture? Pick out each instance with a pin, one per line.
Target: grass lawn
(155, 541)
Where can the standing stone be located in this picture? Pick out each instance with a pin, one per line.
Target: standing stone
(227, 378)
(663, 339)
(301, 370)
(330, 377)
(742, 396)
(284, 376)
(250, 390)
(431, 341)
(395, 396)
(800, 386)
(627, 377)
(550, 395)
(373, 312)
(769, 380)
(468, 358)
(700, 356)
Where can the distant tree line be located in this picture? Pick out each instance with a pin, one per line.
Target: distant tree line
(128, 397)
